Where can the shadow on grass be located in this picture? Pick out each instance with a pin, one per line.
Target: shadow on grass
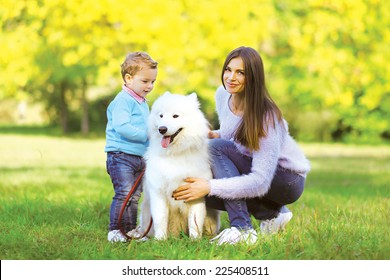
(48, 130)
(31, 130)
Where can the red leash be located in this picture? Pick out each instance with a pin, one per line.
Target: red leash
(124, 205)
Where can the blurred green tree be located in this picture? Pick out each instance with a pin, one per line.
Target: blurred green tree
(326, 61)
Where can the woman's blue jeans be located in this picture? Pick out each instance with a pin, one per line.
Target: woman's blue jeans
(124, 170)
(226, 162)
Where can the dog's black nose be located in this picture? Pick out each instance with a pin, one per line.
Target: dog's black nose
(162, 129)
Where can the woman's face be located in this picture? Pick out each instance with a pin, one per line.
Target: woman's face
(234, 76)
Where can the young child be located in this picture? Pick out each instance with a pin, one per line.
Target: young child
(126, 138)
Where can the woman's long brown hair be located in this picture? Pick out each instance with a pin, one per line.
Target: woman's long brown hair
(259, 108)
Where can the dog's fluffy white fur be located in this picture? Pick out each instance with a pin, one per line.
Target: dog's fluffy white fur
(178, 149)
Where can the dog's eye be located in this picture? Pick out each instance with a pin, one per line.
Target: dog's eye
(161, 115)
(175, 116)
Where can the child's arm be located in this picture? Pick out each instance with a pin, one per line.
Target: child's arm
(127, 124)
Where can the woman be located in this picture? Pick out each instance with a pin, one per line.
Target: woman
(257, 167)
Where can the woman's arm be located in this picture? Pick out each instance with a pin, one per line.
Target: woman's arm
(254, 184)
(195, 189)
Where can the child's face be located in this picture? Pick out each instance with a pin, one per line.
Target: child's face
(142, 82)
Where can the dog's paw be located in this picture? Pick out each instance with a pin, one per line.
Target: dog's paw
(195, 235)
(160, 236)
(135, 233)
(143, 239)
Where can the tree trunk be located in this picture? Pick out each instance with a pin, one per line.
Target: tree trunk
(84, 109)
(63, 108)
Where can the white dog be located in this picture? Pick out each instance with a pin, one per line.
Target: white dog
(178, 149)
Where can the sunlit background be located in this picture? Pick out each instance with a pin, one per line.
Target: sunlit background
(327, 61)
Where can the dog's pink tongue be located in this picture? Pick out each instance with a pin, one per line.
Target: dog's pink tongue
(165, 141)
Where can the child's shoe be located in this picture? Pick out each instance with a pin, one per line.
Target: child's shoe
(116, 236)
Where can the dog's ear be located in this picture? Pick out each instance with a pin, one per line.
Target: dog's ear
(194, 99)
(193, 96)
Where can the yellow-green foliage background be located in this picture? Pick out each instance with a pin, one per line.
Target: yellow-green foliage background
(327, 61)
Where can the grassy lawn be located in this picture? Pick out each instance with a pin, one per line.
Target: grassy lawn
(55, 197)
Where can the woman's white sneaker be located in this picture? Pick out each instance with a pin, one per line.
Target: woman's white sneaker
(233, 236)
(276, 224)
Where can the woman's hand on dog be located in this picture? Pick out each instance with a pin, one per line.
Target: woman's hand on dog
(212, 134)
(195, 189)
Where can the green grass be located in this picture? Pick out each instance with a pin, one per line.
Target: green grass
(55, 197)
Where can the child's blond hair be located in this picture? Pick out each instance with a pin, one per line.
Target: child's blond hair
(135, 61)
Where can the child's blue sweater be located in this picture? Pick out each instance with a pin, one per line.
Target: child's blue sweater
(126, 129)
